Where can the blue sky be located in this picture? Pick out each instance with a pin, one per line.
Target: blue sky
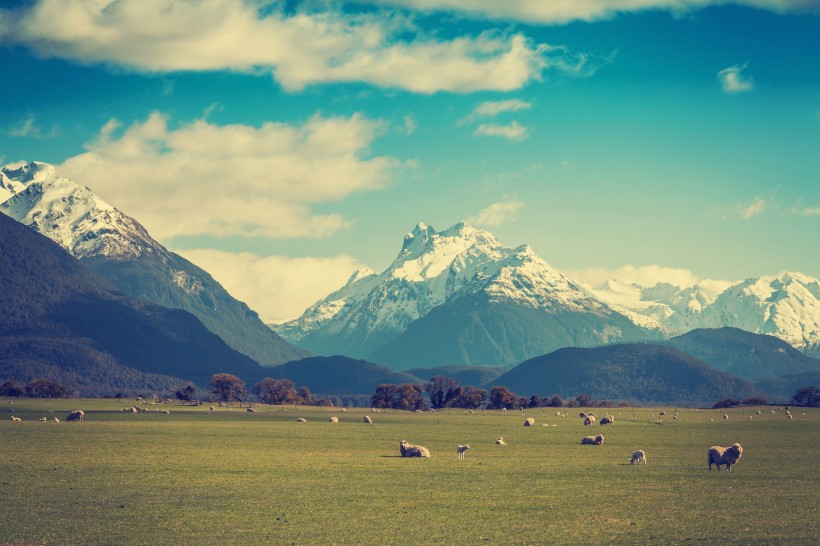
(282, 145)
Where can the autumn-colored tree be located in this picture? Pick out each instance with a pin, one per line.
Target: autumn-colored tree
(188, 392)
(584, 401)
(470, 398)
(384, 395)
(227, 387)
(12, 388)
(441, 391)
(305, 396)
(555, 402)
(406, 396)
(45, 388)
(502, 397)
(807, 396)
(276, 391)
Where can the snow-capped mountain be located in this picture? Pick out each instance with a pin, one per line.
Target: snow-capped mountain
(120, 249)
(786, 305)
(436, 270)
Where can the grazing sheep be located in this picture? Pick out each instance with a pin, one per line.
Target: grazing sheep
(590, 420)
(582, 415)
(590, 414)
(76, 415)
(607, 420)
(211, 409)
(43, 419)
(724, 455)
(758, 412)
(301, 420)
(410, 450)
(461, 449)
(500, 441)
(558, 414)
(675, 417)
(662, 413)
(594, 440)
(529, 421)
(343, 410)
(56, 420)
(13, 418)
(333, 419)
(638, 457)
(789, 416)
(725, 417)
(367, 419)
(250, 410)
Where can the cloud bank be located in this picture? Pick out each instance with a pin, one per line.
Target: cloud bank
(297, 48)
(232, 180)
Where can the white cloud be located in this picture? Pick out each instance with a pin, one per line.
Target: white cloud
(512, 131)
(494, 108)
(497, 213)
(748, 210)
(801, 210)
(298, 48)
(647, 276)
(231, 180)
(276, 287)
(28, 128)
(410, 125)
(733, 80)
(562, 11)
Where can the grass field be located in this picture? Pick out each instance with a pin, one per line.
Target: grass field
(234, 477)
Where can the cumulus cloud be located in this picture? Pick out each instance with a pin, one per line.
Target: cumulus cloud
(276, 287)
(647, 276)
(28, 128)
(512, 131)
(497, 213)
(298, 48)
(543, 11)
(232, 180)
(733, 80)
(748, 210)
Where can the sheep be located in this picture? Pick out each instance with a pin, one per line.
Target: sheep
(410, 450)
(367, 419)
(500, 441)
(607, 420)
(43, 419)
(662, 413)
(725, 417)
(590, 414)
(461, 449)
(558, 414)
(529, 421)
(675, 417)
(301, 420)
(724, 455)
(76, 415)
(333, 419)
(134, 409)
(593, 440)
(758, 412)
(13, 418)
(165, 412)
(590, 420)
(250, 410)
(56, 420)
(582, 415)
(789, 416)
(638, 457)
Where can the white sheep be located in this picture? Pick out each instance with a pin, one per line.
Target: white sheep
(13, 418)
(166, 412)
(590, 420)
(607, 420)
(593, 440)
(76, 415)
(43, 419)
(56, 420)
(367, 419)
(500, 441)
(461, 449)
(333, 419)
(638, 457)
(211, 409)
(410, 450)
(724, 455)
(725, 417)
(529, 421)
(301, 420)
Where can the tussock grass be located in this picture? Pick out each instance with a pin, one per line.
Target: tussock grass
(234, 477)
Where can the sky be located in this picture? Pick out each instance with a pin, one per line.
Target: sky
(283, 145)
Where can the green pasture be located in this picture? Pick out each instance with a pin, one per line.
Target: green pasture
(234, 477)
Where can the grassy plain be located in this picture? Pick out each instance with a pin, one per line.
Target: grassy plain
(262, 478)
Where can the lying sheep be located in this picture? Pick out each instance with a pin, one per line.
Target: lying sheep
(56, 420)
(76, 415)
(333, 419)
(461, 449)
(43, 419)
(13, 418)
(410, 450)
(638, 457)
(529, 421)
(211, 409)
(250, 410)
(607, 420)
(594, 440)
(500, 441)
(724, 455)
(367, 419)
(590, 420)
(301, 420)
(165, 412)
(725, 417)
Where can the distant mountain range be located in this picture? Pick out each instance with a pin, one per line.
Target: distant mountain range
(62, 321)
(121, 250)
(459, 297)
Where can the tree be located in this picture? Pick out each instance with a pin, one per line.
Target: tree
(807, 396)
(186, 393)
(384, 395)
(502, 397)
(555, 402)
(276, 391)
(755, 401)
(227, 387)
(45, 388)
(406, 396)
(726, 403)
(470, 398)
(305, 396)
(584, 401)
(441, 390)
(12, 388)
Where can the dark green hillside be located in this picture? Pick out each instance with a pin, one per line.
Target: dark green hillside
(465, 375)
(338, 375)
(54, 312)
(637, 373)
(475, 330)
(744, 354)
(781, 389)
(151, 277)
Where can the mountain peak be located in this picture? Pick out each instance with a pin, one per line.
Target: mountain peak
(35, 171)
